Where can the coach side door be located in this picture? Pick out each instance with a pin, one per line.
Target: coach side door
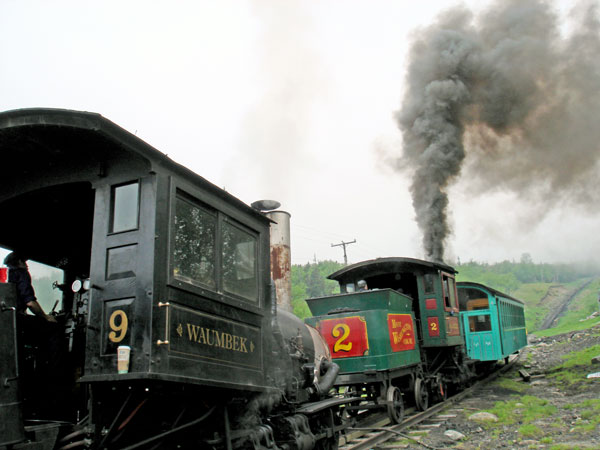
(479, 335)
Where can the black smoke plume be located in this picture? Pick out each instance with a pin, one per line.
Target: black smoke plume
(506, 99)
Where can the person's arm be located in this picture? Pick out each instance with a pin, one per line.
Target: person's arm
(36, 308)
(26, 294)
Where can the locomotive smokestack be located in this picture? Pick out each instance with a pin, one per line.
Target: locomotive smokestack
(281, 258)
(281, 255)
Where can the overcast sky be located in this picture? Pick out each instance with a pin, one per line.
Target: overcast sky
(284, 100)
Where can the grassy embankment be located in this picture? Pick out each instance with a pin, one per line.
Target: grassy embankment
(524, 409)
(575, 318)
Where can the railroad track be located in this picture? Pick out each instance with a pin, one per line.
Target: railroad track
(375, 430)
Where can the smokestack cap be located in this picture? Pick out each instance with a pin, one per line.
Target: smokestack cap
(266, 205)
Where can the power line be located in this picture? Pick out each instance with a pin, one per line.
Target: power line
(344, 244)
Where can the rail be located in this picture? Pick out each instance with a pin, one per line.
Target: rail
(382, 433)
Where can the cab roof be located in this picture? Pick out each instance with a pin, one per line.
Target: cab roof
(48, 136)
(379, 266)
(52, 160)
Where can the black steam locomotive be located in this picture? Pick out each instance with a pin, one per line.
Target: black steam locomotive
(167, 322)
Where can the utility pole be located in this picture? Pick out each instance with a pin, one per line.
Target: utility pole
(343, 244)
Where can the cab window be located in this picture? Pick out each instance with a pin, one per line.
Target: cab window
(212, 250)
(429, 282)
(239, 261)
(450, 302)
(124, 207)
(194, 249)
(44, 279)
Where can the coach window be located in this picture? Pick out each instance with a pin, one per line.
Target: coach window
(194, 248)
(124, 207)
(239, 261)
(480, 323)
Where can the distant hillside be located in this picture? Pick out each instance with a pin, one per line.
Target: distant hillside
(581, 300)
(555, 295)
(310, 280)
(509, 276)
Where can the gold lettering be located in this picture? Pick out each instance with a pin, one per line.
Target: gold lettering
(193, 332)
(215, 338)
(202, 336)
(218, 337)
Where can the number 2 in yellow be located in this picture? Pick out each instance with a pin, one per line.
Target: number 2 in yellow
(343, 330)
(118, 331)
(433, 326)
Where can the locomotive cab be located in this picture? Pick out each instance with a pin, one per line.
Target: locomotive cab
(431, 286)
(47, 207)
(171, 323)
(367, 330)
(83, 195)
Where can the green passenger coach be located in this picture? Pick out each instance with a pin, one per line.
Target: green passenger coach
(494, 322)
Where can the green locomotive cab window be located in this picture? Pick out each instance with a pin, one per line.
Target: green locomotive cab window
(450, 301)
(239, 262)
(194, 249)
(429, 281)
(124, 207)
(452, 291)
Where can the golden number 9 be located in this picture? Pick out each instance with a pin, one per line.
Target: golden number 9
(118, 331)
(339, 344)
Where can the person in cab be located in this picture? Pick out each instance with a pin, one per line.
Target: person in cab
(39, 344)
(18, 273)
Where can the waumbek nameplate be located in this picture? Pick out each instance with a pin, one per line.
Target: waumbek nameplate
(195, 334)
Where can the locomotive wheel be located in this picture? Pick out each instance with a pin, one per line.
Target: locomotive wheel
(421, 394)
(395, 405)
